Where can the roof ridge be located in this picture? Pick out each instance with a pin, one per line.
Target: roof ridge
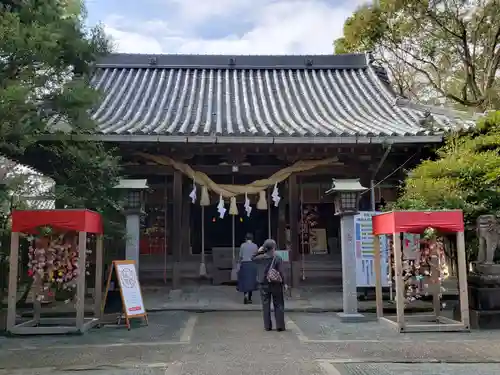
(123, 60)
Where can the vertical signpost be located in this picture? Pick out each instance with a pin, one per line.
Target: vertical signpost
(363, 244)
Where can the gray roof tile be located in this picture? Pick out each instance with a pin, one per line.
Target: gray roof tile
(292, 96)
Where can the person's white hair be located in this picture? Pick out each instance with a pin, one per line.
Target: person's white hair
(269, 245)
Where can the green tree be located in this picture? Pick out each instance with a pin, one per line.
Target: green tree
(45, 71)
(464, 175)
(46, 58)
(433, 50)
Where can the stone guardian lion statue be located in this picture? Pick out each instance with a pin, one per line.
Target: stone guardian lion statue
(488, 232)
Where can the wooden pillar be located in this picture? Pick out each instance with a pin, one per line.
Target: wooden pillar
(80, 283)
(176, 231)
(400, 286)
(185, 223)
(378, 276)
(435, 281)
(462, 280)
(99, 250)
(281, 235)
(293, 203)
(167, 240)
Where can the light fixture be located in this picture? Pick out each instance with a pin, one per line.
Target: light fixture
(347, 194)
(134, 196)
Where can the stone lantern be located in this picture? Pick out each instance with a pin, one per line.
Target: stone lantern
(347, 193)
(133, 208)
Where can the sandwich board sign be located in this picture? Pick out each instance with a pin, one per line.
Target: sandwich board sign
(130, 290)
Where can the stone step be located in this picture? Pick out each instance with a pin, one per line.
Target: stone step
(194, 266)
(322, 276)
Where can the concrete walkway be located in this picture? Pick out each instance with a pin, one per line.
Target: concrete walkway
(228, 343)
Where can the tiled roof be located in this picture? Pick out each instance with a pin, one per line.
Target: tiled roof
(292, 96)
(40, 204)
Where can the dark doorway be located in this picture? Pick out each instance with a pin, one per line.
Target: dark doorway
(218, 232)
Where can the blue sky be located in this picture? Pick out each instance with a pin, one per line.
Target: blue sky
(222, 26)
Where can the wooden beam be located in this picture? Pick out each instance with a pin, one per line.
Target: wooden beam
(354, 170)
(187, 151)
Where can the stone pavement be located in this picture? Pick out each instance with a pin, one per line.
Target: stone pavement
(226, 298)
(228, 343)
(204, 298)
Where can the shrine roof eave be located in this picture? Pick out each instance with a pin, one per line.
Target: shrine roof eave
(349, 140)
(323, 99)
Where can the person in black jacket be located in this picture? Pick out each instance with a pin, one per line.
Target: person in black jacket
(272, 284)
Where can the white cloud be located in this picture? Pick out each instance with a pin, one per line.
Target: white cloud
(130, 42)
(278, 27)
(197, 11)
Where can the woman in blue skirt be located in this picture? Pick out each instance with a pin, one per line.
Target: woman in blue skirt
(247, 274)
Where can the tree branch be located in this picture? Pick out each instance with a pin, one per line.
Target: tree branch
(491, 71)
(470, 71)
(433, 16)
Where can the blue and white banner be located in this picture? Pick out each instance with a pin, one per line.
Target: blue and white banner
(363, 246)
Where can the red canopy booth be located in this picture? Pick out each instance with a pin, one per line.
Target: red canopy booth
(61, 221)
(397, 222)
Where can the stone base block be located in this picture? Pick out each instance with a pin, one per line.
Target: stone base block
(351, 318)
(296, 274)
(481, 280)
(484, 298)
(176, 275)
(484, 319)
(3, 320)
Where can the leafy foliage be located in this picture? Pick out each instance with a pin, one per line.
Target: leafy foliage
(433, 49)
(465, 175)
(46, 57)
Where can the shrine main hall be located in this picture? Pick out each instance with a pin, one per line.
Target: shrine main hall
(235, 132)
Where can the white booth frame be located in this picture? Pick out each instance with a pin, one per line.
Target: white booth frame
(420, 322)
(50, 326)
